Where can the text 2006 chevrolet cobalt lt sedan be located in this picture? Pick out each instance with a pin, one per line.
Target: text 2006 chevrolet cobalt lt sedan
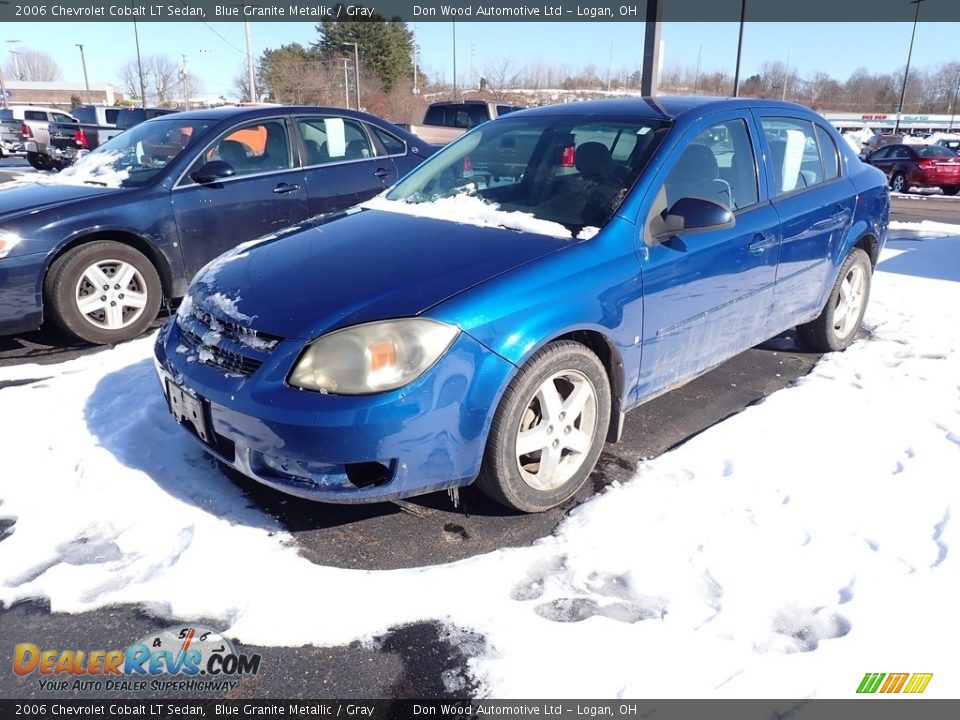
(494, 314)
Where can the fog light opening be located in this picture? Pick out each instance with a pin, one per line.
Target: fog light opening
(367, 474)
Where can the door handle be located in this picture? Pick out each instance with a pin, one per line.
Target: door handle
(761, 243)
(381, 173)
(284, 188)
(840, 215)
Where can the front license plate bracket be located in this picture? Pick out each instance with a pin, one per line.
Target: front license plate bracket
(188, 410)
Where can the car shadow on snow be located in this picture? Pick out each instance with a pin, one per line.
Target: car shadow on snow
(128, 415)
(934, 256)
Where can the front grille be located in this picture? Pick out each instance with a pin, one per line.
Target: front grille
(224, 343)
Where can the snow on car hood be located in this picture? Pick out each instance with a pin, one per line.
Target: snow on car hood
(359, 267)
(96, 169)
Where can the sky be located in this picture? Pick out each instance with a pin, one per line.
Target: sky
(726, 567)
(215, 51)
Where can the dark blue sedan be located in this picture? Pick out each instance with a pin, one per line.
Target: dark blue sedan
(132, 222)
(494, 315)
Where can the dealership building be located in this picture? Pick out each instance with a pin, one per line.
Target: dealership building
(887, 121)
(58, 94)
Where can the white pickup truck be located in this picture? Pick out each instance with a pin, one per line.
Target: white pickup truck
(446, 121)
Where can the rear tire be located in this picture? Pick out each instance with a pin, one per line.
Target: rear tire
(950, 189)
(838, 323)
(548, 430)
(898, 183)
(39, 161)
(103, 292)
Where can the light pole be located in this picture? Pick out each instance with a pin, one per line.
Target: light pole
(906, 73)
(83, 61)
(143, 89)
(356, 70)
(251, 79)
(346, 84)
(454, 59)
(736, 72)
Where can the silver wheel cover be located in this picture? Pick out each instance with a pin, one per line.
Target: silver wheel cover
(111, 294)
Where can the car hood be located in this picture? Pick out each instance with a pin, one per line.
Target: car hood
(23, 199)
(359, 267)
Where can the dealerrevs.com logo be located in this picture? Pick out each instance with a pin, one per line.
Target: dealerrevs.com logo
(190, 658)
(908, 683)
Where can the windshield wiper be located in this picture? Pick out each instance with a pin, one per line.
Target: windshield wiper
(94, 182)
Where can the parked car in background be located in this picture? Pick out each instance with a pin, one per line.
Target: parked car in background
(11, 134)
(951, 143)
(129, 224)
(878, 141)
(456, 330)
(909, 166)
(132, 116)
(35, 128)
(446, 121)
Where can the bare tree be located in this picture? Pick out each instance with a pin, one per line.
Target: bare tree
(32, 66)
(161, 79)
(501, 75)
(241, 84)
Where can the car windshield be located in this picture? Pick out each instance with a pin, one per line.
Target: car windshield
(930, 151)
(552, 174)
(134, 157)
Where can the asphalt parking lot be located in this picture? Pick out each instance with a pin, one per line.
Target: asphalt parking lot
(410, 661)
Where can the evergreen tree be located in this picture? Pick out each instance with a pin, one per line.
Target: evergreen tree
(385, 47)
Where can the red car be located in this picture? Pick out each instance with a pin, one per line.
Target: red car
(918, 166)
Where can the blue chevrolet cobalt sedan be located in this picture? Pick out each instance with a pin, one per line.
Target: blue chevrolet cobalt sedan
(493, 315)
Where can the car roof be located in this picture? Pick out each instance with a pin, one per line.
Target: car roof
(228, 111)
(664, 107)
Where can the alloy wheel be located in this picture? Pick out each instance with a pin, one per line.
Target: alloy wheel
(849, 302)
(111, 294)
(556, 430)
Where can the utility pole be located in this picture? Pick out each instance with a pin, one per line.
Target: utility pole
(696, 80)
(906, 73)
(786, 69)
(953, 107)
(454, 59)
(610, 66)
(3, 92)
(16, 59)
(356, 71)
(143, 89)
(346, 84)
(416, 88)
(83, 61)
(183, 83)
(736, 72)
(251, 80)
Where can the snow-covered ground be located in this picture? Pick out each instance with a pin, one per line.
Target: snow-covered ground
(784, 552)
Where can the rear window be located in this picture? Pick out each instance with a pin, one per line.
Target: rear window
(461, 115)
(932, 151)
(34, 115)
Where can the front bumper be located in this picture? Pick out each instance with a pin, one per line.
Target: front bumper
(20, 293)
(427, 436)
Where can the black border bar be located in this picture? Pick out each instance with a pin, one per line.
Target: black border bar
(852, 11)
(875, 708)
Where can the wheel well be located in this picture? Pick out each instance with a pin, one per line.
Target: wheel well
(604, 349)
(137, 243)
(868, 243)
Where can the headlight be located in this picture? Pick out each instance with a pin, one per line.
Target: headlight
(8, 241)
(373, 357)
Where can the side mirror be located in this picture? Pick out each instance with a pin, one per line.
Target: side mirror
(690, 215)
(213, 171)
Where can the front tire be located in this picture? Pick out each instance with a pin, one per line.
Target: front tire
(838, 323)
(548, 430)
(898, 183)
(950, 189)
(39, 161)
(103, 292)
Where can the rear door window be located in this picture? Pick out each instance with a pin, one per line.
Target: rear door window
(794, 159)
(828, 154)
(334, 139)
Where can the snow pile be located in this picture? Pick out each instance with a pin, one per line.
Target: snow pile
(469, 210)
(856, 138)
(782, 553)
(93, 169)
